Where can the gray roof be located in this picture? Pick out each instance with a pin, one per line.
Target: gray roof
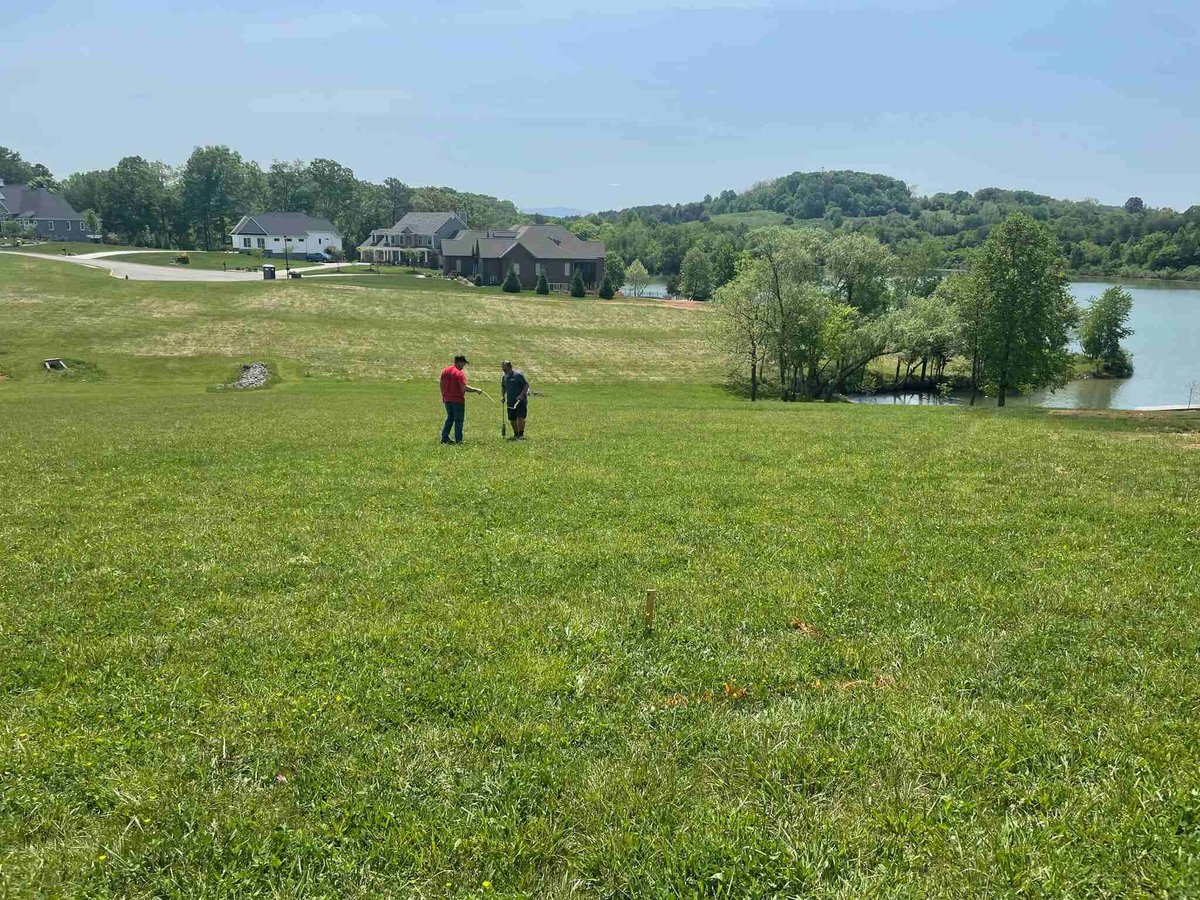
(36, 203)
(542, 241)
(557, 242)
(424, 222)
(283, 223)
(462, 244)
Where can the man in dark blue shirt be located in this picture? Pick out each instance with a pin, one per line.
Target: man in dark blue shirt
(515, 389)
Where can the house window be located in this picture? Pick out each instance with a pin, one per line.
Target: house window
(276, 240)
(50, 225)
(567, 269)
(262, 242)
(516, 268)
(537, 269)
(246, 243)
(458, 265)
(68, 224)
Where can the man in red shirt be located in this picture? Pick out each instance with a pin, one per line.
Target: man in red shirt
(454, 395)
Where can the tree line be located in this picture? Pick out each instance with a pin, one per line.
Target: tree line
(1130, 240)
(807, 313)
(194, 205)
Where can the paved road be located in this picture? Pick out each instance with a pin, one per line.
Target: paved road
(120, 268)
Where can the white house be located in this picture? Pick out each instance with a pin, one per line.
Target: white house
(271, 232)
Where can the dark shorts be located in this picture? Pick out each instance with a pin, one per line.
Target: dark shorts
(518, 411)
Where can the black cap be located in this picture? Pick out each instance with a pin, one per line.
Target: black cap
(462, 359)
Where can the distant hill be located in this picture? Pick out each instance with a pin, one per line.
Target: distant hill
(1131, 239)
(557, 212)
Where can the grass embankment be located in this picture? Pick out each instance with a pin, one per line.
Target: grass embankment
(283, 644)
(330, 327)
(55, 248)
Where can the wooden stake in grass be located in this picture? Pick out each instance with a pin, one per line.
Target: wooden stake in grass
(648, 613)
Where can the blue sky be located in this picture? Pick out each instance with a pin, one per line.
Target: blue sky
(618, 103)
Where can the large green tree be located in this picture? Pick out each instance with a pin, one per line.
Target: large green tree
(614, 268)
(695, 276)
(742, 326)
(859, 268)
(1102, 328)
(133, 201)
(14, 169)
(332, 188)
(216, 192)
(288, 186)
(637, 277)
(1028, 313)
(88, 190)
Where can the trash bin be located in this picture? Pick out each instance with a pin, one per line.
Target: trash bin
(294, 274)
(268, 273)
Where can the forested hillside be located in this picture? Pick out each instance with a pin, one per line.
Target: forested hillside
(154, 204)
(1129, 240)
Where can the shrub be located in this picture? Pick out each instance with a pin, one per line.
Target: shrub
(543, 286)
(606, 289)
(512, 284)
(334, 254)
(577, 287)
(478, 281)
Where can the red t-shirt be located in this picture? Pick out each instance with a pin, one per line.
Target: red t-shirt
(454, 385)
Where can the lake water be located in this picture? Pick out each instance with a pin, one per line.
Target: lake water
(655, 288)
(1165, 347)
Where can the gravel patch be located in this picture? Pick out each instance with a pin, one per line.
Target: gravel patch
(254, 375)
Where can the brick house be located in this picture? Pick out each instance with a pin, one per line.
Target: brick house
(530, 250)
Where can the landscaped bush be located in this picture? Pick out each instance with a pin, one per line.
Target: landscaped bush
(578, 289)
(543, 286)
(478, 281)
(512, 284)
(606, 289)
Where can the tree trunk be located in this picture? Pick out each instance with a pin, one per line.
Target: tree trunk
(1000, 394)
(753, 377)
(896, 377)
(924, 363)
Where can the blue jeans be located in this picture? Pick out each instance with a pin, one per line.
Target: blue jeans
(454, 416)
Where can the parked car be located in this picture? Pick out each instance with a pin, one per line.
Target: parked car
(316, 257)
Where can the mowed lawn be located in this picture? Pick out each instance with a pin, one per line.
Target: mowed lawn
(283, 644)
(333, 327)
(215, 260)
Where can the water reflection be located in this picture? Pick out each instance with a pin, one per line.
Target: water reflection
(1165, 347)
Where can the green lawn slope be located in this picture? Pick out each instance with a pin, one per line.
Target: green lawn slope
(282, 643)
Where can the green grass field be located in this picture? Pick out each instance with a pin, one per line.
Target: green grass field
(57, 247)
(282, 644)
(202, 259)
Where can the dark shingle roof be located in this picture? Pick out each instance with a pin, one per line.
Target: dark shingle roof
(462, 244)
(424, 222)
(556, 242)
(285, 223)
(543, 241)
(36, 203)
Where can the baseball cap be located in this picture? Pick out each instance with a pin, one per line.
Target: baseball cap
(463, 358)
